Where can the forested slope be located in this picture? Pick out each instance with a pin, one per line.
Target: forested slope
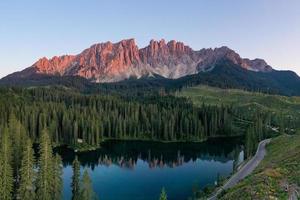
(285, 110)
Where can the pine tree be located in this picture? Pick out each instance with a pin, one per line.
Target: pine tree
(18, 138)
(26, 189)
(87, 192)
(75, 180)
(75, 132)
(57, 182)
(45, 173)
(6, 170)
(163, 195)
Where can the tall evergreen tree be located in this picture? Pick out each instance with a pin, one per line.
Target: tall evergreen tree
(45, 172)
(57, 182)
(18, 138)
(6, 170)
(76, 180)
(26, 189)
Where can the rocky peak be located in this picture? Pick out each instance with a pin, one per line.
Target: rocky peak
(128, 42)
(160, 51)
(107, 62)
(178, 48)
(253, 65)
(100, 55)
(54, 65)
(155, 49)
(258, 65)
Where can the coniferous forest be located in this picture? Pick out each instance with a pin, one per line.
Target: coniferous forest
(72, 117)
(49, 117)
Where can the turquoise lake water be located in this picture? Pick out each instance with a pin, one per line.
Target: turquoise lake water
(133, 170)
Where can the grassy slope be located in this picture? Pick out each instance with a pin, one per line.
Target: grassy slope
(218, 96)
(278, 171)
(249, 101)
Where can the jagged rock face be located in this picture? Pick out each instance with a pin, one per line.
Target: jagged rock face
(56, 65)
(108, 62)
(171, 60)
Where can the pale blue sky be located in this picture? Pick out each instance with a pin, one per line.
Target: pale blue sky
(31, 29)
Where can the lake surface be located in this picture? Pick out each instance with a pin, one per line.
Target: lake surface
(134, 170)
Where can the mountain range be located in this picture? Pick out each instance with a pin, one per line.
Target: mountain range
(173, 62)
(108, 62)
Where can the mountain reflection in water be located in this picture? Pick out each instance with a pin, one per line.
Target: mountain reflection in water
(140, 169)
(125, 154)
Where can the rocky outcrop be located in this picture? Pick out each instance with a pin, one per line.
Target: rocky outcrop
(56, 65)
(110, 62)
(106, 62)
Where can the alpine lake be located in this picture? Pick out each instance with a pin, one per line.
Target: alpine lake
(138, 170)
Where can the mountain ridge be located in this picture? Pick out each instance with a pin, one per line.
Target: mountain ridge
(225, 74)
(113, 62)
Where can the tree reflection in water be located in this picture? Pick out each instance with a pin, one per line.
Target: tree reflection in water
(126, 154)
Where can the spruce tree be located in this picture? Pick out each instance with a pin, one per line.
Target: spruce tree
(26, 189)
(6, 170)
(163, 195)
(45, 172)
(76, 180)
(18, 139)
(57, 182)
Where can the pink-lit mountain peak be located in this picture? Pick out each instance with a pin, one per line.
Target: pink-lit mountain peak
(110, 62)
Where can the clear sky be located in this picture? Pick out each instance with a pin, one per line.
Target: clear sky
(30, 29)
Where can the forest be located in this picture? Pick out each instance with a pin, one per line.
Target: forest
(53, 116)
(72, 117)
(26, 174)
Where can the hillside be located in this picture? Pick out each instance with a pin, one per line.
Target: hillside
(241, 98)
(277, 176)
(282, 106)
(229, 75)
